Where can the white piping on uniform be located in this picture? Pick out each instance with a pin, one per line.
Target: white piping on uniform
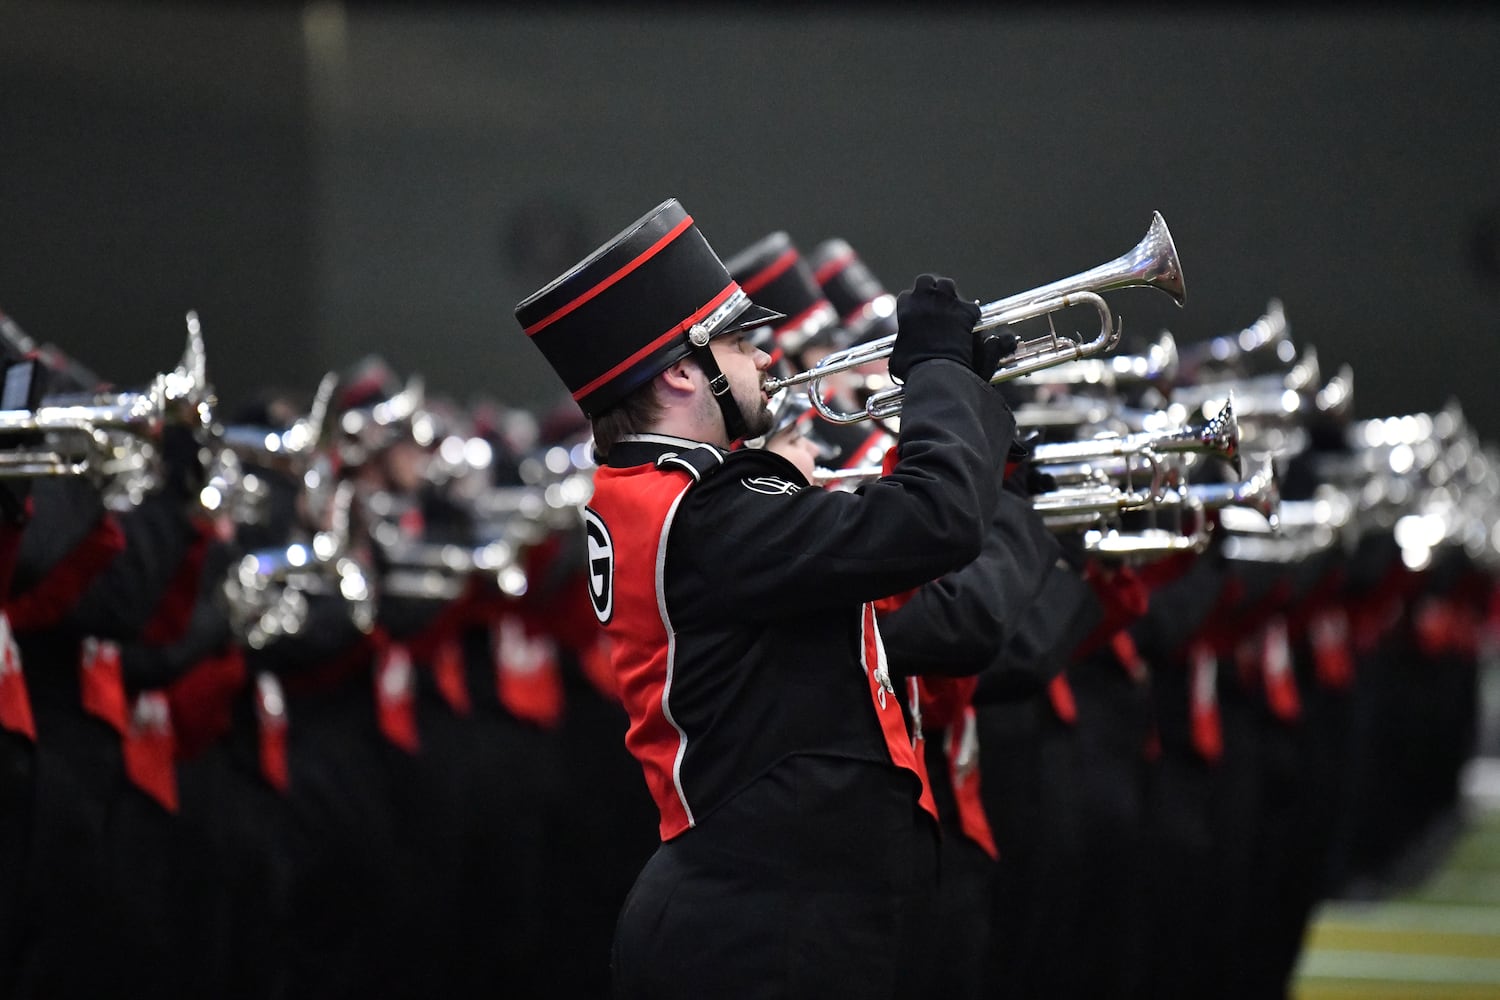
(666, 691)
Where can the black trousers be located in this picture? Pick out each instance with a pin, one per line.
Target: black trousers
(815, 881)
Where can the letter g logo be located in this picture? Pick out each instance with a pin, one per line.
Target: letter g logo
(601, 558)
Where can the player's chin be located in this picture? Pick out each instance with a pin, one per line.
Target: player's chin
(759, 422)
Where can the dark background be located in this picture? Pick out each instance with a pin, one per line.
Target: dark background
(324, 180)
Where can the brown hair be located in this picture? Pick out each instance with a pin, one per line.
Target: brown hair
(635, 414)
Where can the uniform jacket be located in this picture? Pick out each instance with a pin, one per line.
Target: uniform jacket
(736, 596)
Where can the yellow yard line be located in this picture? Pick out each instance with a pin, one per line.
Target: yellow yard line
(1396, 968)
(1364, 990)
(1354, 937)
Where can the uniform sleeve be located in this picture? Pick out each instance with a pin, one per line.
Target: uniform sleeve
(958, 624)
(66, 509)
(120, 601)
(752, 541)
(1179, 609)
(147, 666)
(1063, 612)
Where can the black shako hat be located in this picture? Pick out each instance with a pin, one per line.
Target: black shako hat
(637, 305)
(865, 308)
(773, 272)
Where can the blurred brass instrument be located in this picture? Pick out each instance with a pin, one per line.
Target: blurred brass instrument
(1260, 492)
(1079, 506)
(266, 593)
(243, 493)
(1231, 351)
(1111, 470)
(1217, 436)
(110, 437)
(1071, 411)
(1304, 528)
(295, 444)
(1156, 365)
(1152, 263)
(441, 571)
(1147, 543)
(1063, 507)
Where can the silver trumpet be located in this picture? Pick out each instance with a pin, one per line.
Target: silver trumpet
(1259, 492)
(1067, 508)
(1073, 411)
(1156, 365)
(266, 593)
(1303, 528)
(1114, 470)
(296, 443)
(440, 572)
(231, 490)
(535, 511)
(1075, 506)
(1152, 263)
(1217, 436)
(1273, 420)
(110, 437)
(846, 479)
(1148, 543)
(1232, 350)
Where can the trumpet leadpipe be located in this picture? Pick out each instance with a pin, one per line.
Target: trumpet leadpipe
(1068, 503)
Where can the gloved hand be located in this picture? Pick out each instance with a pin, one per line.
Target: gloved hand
(933, 322)
(1022, 477)
(989, 348)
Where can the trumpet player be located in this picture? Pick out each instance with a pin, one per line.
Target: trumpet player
(795, 844)
(86, 577)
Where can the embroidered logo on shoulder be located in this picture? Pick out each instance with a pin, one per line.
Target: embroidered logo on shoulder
(773, 486)
(601, 566)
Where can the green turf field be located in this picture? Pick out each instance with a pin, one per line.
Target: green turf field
(1440, 940)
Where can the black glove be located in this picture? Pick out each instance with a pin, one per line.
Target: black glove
(1021, 474)
(933, 322)
(989, 348)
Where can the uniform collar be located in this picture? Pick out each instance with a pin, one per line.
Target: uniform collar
(646, 449)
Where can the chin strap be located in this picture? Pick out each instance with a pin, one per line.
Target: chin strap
(718, 384)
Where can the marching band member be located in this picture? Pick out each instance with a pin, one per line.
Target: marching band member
(795, 851)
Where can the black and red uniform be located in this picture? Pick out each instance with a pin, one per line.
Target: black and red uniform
(795, 852)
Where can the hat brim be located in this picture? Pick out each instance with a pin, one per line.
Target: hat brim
(753, 316)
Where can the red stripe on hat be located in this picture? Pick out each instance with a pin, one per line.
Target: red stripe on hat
(656, 344)
(646, 255)
(823, 274)
(774, 270)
